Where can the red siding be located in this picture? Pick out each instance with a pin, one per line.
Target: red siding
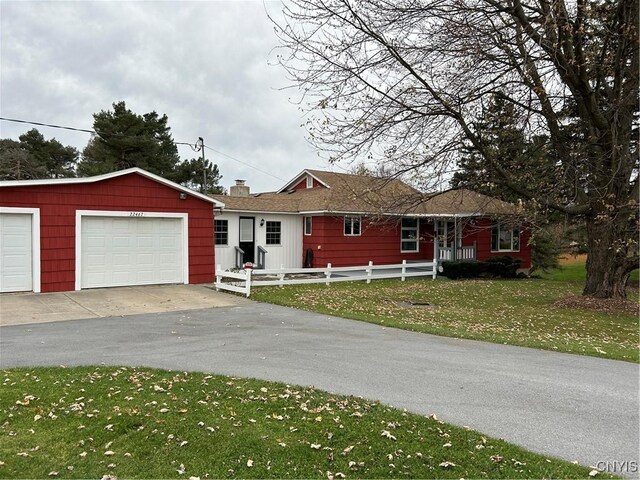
(379, 243)
(479, 230)
(302, 184)
(133, 192)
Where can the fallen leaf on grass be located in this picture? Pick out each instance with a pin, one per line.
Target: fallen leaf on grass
(347, 450)
(387, 434)
(447, 464)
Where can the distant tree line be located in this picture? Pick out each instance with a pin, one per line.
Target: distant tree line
(123, 139)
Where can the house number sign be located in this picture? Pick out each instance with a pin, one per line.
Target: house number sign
(136, 214)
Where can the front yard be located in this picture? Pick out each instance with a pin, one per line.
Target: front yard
(109, 422)
(515, 312)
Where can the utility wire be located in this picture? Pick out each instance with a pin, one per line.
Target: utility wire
(47, 125)
(244, 163)
(93, 132)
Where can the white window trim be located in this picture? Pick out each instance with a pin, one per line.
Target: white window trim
(304, 225)
(417, 240)
(266, 233)
(344, 224)
(134, 214)
(35, 241)
(499, 250)
(215, 232)
(309, 181)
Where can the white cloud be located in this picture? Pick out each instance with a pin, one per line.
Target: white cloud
(203, 64)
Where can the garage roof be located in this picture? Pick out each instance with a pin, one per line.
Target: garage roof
(106, 176)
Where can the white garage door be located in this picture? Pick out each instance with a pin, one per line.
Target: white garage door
(118, 251)
(16, 263)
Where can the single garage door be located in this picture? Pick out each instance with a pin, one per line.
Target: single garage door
(119, 251)
(16, 263)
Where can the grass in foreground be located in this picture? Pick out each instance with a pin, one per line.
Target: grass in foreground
(126, 422)
(515, 312)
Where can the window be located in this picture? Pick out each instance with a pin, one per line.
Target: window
(221, 229)
(273, 233)
(409, 235)
(309, 181)
(504, 238)
(307, 225)
(352, 226)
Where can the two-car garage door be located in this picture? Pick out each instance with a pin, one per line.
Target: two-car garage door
(119, 251)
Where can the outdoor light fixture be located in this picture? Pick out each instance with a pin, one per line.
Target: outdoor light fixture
(262, 222)
(183, 196)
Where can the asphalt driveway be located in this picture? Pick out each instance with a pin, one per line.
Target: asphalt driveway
(574, 407)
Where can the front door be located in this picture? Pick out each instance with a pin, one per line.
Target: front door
(446, 239)
(247, 238)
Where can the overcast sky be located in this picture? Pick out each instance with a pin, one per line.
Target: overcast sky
(203, 64)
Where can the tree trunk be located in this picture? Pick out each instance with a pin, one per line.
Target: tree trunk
(608, 268)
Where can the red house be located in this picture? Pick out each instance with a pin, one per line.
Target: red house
(124, 228)
(346, 220)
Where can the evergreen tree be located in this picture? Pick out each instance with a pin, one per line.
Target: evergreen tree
(501, 131)
(35, 157)
(125, 139)
(190, 173)
(59, 161)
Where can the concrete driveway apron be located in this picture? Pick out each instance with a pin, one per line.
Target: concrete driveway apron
(569, 406)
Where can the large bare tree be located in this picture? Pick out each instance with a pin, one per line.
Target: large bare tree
(404, 83)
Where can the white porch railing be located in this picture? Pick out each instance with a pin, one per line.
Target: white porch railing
(244, 280)
(467, 252)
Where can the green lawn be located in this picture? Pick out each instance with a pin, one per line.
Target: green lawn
(574, 270)
(515, 312)
(93, 421)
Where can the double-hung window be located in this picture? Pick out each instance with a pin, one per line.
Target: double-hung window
(504, 238)
(221, 229)
(351, 226)
(274, 230)
(409, 235)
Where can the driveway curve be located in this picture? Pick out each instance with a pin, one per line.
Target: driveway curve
(573, 407)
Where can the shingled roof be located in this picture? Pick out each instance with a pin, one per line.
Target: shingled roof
(342, 193)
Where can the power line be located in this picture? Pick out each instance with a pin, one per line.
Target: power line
(47, 125)
(93, 132)
(244, 163)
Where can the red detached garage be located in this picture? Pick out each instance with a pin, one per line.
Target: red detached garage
(124, 228)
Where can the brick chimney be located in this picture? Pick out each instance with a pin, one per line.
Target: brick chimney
(239, 189)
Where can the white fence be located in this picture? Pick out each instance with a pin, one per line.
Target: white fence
(244, 280)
